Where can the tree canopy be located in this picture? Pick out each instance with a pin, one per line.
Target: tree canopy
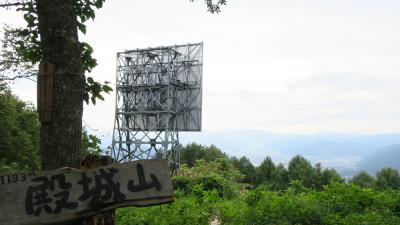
(19, 132)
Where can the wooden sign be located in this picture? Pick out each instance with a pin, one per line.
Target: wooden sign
(45, 91)
(55, 196)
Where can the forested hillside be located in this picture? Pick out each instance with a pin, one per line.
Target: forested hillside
(212, 187)
(388, 156)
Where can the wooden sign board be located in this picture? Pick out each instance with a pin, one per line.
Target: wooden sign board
(45, 91)
(55, 196)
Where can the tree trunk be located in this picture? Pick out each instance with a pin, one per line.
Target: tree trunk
(60, 138)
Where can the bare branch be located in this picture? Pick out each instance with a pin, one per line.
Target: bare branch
(29, 76)
(9, 3)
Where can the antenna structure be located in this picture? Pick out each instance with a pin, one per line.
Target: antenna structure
(158, 94)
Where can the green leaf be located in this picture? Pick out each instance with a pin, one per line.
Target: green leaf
(81, 27)
(94, 90)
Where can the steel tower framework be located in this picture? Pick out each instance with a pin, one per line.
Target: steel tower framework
(158, 94)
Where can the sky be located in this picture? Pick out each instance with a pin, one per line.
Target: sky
(295, 66)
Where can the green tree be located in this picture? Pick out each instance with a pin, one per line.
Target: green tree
(19, 132)
(281, 179)
(364, 180)
(301, 169)
(192, 152)
(331, 175)
(265, 173)
(245, 167)
(222, 166)
(90, 144)
(219, 174)
(323, 177)
(212, 153)
(387, 178)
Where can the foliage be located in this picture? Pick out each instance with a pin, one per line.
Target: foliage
(364, 180)
(387, 178)
(22, 52)
(198, 190)
(19, 55)
(337, 203)
(221, 166)
(278, 177)
(6, 167)
(210, 190)
(214, 7)
(90, 144)
(94, 90)
(187, 210)
(281, 177)
(246, 168)
(192, 152)
(266, 172)
(19, 133)
(324, 176)
(219, 175)
(197, 186)
(301, 169)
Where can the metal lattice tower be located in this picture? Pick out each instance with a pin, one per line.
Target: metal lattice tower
(158, 94)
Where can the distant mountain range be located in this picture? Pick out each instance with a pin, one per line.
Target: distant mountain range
(344, 152)
(385, 157)
(348, 153)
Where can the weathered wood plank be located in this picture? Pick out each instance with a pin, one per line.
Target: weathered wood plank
(45, 91)
(103, 218)
(55, 196)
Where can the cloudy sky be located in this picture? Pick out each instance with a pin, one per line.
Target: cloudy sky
(298, 66)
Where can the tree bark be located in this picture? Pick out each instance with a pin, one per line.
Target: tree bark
(60, 138)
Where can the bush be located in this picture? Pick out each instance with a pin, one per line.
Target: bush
(204, 194)
(183, 211)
